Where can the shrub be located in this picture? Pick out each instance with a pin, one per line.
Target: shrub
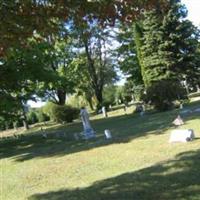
(42, 117)
(162, 93)
(64, 113)
(32, 117)
(109, 95)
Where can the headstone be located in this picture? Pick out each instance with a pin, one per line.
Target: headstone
(125, 107)
(87, 129)
(198, 88)
(108, 134)
(178, 121)
(181, 135)
(142, 113)
(143, 110)
(76, 136)
(104, 111)
(44, 135)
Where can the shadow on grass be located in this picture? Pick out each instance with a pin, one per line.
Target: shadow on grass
(124, 128)
(176, 179)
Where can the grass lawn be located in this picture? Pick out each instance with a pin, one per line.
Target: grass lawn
(137, 164)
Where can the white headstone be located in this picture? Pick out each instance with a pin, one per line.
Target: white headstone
(108, 134)
(184, 135)
(104, 111)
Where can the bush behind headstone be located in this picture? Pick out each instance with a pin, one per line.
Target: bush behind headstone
(63, 113)
(42, 117)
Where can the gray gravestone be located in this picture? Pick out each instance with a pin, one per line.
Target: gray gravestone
(87, 129)
(104, 111)
(108, 134)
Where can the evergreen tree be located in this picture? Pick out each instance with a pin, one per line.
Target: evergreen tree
(129, 57)
(169, 52)
(153, 67)
(180, 44)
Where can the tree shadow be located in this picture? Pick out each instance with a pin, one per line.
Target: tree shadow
(123, 128)
(176, 179)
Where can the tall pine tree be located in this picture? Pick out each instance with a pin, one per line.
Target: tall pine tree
(169, 54)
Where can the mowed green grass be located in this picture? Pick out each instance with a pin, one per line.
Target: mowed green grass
(137, 164)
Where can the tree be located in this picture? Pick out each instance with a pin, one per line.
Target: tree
(180, 48)
(22, 73)
(169, 49)
(109, 95)
(129, 57)
(170, 44)
(20, 19)
(83, 82)
(61, 56)
(100, 68)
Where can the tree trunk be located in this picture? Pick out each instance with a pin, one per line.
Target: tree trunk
(25, 123)
(24, 119)
(98, 88)
(89, 100)
(99, 96)
(61, 96)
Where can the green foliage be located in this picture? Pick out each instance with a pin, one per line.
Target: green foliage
(47, 109)
(162, 94)
(42, 117)
(77, 101)
(99, 68)
(61, 59)
(49, 15)
(22, 73)
(109, 95)
(129, 54)
(170, 44)
(2, 123)
(119, 94)
(169, 53)
(153, 68)
(127, 92)
(32, 117)
(61, 113)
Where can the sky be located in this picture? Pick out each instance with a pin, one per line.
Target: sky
(193, 7)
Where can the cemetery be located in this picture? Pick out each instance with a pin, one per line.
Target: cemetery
(135, 160)
(100, 100)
